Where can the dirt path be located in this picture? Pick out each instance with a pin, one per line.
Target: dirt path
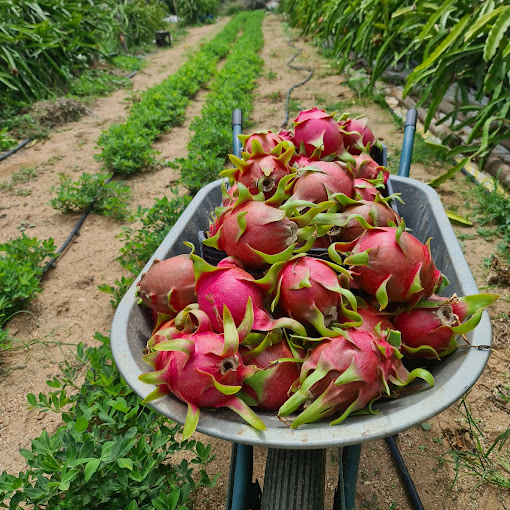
(72, 309)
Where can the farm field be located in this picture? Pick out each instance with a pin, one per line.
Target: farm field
(70, 308)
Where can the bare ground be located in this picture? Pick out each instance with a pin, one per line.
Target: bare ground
(70, 308)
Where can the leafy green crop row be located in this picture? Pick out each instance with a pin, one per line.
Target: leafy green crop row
(126, 148)
(111, 452)
(212, 141)
(452, 43)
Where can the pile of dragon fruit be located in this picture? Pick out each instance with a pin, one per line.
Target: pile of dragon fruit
(320, 293)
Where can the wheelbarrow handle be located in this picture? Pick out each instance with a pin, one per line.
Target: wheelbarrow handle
(408, 142)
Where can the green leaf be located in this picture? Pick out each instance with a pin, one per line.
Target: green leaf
(91, 468)
(457, 218)
(449, 173)
(125, 463)
(81, 424)
(496, 34)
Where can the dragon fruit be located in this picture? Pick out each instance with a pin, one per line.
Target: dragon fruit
(372, 318)
(316, 129)
(391, 264)
(261, 171)
(357, 217)
(258, 232)
(366, 168)
(310, 291)
(346, 374)
(365, 189)
(356, 135)
(277, 372)
(230, 285)
(202, 369)
(429, 329)
(319, 180)
(169, 285)
(284, 134)
(266, 139)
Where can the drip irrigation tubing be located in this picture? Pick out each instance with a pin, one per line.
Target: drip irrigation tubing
(75, 232)
(22, 144)
(297, 68)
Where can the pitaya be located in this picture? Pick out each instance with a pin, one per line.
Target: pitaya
(365, 189)
(318, 181)
(356, 135)
(429, 329)
(366, 168)
(345, 374)
(391, 265)
(203, 369)
(267, 140)
(316, 129)
(277, 372)
(262, 171)
(230, 285)
(169, 285)
(309, 290)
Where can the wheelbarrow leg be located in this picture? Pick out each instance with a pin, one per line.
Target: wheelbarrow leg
(294, 480)
(242, 492)
(345, 494)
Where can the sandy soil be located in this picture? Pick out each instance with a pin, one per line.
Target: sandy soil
(70, 308)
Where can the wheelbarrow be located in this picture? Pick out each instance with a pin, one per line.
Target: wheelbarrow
(295, 467)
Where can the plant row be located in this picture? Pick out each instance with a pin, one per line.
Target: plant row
(126, 148)
(45, 43)
(111, 452)
(442, 47)
(207, 151)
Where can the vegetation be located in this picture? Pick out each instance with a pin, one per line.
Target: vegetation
(21, 266)
(111, 452)
(45, 43)
(444, 46)
(94, 193)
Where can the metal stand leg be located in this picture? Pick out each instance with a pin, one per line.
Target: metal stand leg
(345, 495)
(242, 493)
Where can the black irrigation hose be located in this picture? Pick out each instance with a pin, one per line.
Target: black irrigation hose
(297, 68)
(22, 144)
(404, 474)
(74, 232)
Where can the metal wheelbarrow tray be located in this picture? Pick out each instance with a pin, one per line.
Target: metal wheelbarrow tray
(454, 375)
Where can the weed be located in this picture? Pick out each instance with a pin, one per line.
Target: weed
(6, 142)
(275, 96)
(128, 63)
(426, 153)
(27, 126)
(464, 236)
(96, 82)
(94, 193)
(24, 175)
(487, 462)
(487, 233)
(271, 75)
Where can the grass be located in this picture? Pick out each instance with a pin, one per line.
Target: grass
(22, 176)
(487, 462)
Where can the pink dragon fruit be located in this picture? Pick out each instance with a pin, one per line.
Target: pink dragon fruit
(429, 329)
(270, 385)
(367, 168)
(365, 190)
(345, 374)
(356, 218)
(357, 136)
(261, 171)
(391, 264)
(316, 129)
(169, 285)
(372, 318)
(230, 285)
(284, 134)
(318, 181)
(258, 232)
(267, 140)
(309, 290)
(203, 369)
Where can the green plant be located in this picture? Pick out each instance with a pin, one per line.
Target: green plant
(487, 462)
(271, 75)
(92, 192)
(21, 267)
(6, 142)
(23, 175)
(97, 83)
(111, 452)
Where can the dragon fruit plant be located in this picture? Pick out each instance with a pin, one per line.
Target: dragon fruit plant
(321, 295)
